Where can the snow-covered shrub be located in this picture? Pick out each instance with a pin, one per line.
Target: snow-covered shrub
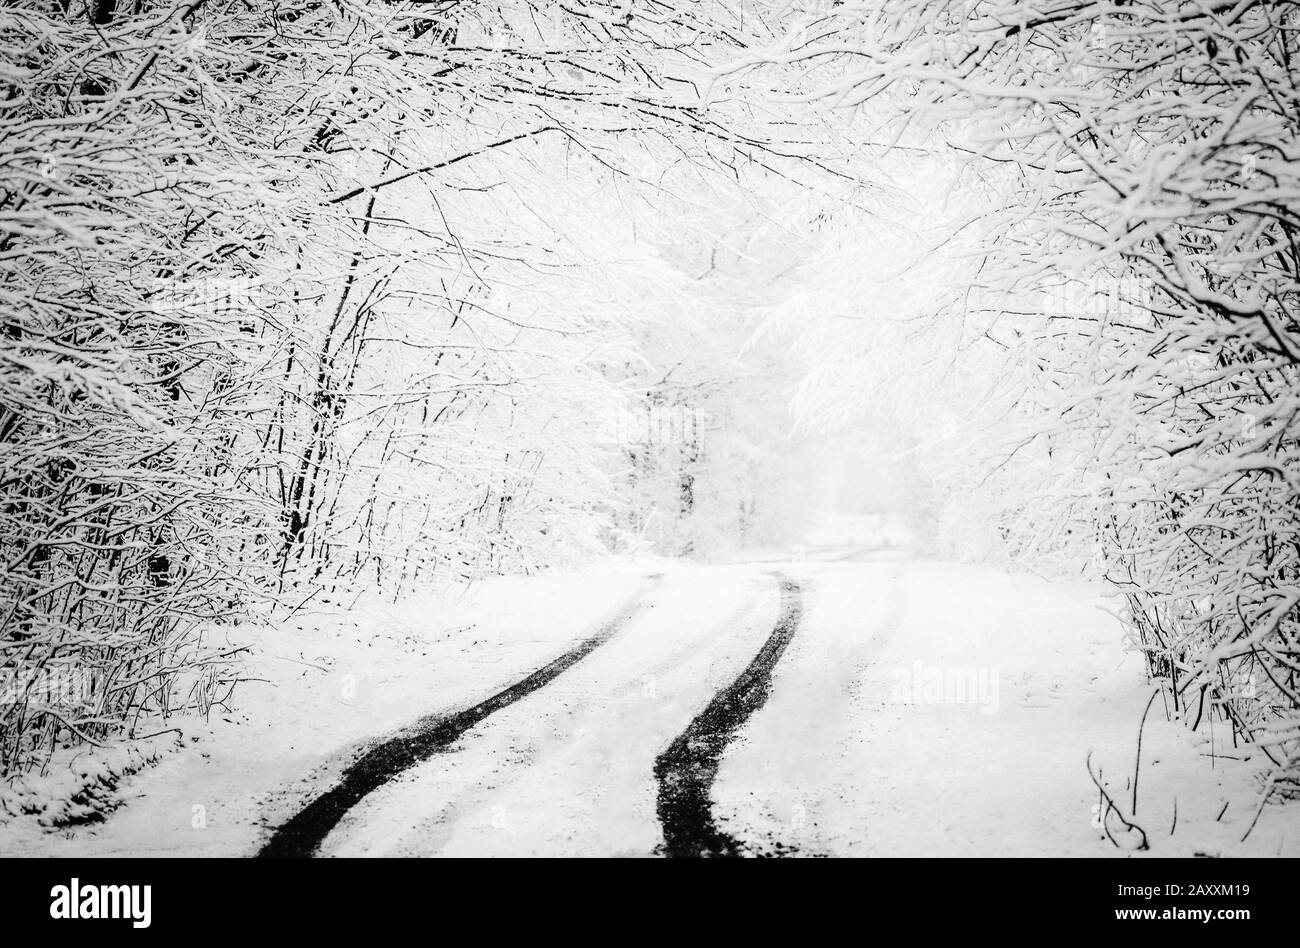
(126, 224)
(1138, 269)
(300, 293)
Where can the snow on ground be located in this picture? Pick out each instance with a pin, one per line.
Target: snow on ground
(833, 538)
(322, 683)
(921, 708)
(569, 771)
(946, 710)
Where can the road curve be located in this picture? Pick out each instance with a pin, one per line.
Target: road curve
(686, 770)
(306, 830)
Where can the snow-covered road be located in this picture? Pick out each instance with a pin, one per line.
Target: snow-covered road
(570, 768)
(861, 703)
(765, 708)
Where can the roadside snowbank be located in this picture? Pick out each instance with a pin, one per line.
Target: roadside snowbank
(937, 709)
(319, 686)
(921, 708)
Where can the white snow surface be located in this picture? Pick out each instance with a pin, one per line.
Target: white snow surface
(856, 755)
(922, 708)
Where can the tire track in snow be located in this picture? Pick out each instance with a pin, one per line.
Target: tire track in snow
(302, 835)
(686, 770)
(436, 831)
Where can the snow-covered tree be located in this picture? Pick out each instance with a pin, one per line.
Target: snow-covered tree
(291, 294)
(1141, 265)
